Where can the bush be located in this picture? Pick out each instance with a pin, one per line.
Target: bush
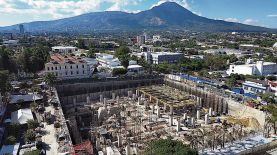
(30, 136)
(271, 78)
(32, 124)
(34, 152)
(57, 125)
(119, 71)
(168, 146)
(33, 105)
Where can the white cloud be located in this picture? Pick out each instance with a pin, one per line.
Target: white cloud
(272, 15)
(251, 22)
(248, 21)
(59, 9)
(232, 20)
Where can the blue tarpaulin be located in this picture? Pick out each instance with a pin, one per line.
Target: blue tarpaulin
(250, 95)
(238, 90)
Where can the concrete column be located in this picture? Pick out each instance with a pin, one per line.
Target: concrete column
(88, 99)
(113, 96)
(214, 113)
(164, 107)
(127, 150)
(105, 102)
(170, 120)
(98, 143)
(206, 119)
(171, 110)
(158, 111)
(139, 101)
(141, 96)
(157, 103)
(210, 111)
(200, 102)
(101, 98)
(198, 115)
(119, 140)
(178, 127)
(185, 115)
(150, 98)
(134, 96)
(129, 93)
(137, 92)
(152, 109)
(192, 122)
(145, 104)
(117, 99)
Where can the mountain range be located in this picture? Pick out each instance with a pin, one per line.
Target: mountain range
(167, 16)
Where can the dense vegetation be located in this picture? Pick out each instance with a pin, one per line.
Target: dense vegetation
(30, 60)
(168, 147)
(123, 54)
(210, 62)
(119, 71)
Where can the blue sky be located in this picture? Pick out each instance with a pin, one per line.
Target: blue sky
(253, 12)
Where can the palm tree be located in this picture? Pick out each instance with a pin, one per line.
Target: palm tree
(50, 79)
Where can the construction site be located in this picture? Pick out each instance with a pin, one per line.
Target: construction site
(122, 120)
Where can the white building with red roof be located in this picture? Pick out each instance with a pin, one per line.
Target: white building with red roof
(67, 67)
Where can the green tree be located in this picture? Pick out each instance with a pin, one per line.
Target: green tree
(4, 81)
(272, 117)
(50, 79)
(32, 60)
(30, 135)
(91, 52)
(33, 106)
(268, 97)
(271, 78)
(231, 82)
(32, 124)
(123, 54)
(215, 62)
(119, 71)
(233, 58)
(11, 140)
(7, 61)
(168, 147)
(81, 44)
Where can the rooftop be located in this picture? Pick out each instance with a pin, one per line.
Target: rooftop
(24, 98)
(21, 116)
(253, 81)
(134, 66)
(165, 53)
(254, 64)
(10, 149)
(63, 47)
(60, 59)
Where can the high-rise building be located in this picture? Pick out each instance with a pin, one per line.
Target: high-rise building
(145, 35)
(21, 29)
(140, 40)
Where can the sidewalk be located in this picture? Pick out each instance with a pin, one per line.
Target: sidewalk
(50, 138)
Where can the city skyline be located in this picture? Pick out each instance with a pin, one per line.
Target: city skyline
(252, 12)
